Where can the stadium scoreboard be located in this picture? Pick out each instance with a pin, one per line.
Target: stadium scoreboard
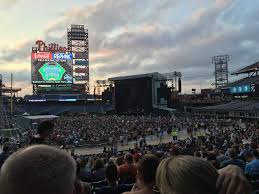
(51, 65)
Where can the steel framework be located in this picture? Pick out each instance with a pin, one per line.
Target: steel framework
(221, 70)
(173, 77)
(4, 123)
(78, 45)
(102, 85)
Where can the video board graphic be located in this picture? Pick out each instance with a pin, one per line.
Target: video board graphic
(240, 89)
(52, 72)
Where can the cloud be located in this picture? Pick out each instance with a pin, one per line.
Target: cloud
(6, 4)
(20, 51)
(131, 36)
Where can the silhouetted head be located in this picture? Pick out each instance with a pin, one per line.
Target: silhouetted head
(38, 169)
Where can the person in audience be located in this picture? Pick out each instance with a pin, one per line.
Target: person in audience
(38, 169)
(233, 160)
(232, 180)
(175, 175)
(84, 171)
(253, 166)
(44, 130)
(98, 173)
(222, 157)
(146, 177)
(128, 170)
(111, 175)
(185, 175)
(80, 186)
(212, 159)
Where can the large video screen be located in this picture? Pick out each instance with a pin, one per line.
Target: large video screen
(240, 89)
(52, 72)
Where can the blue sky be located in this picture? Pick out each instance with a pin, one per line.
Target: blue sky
(132, 36)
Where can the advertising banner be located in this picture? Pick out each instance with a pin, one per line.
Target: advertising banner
(42, 55)
(62, 56)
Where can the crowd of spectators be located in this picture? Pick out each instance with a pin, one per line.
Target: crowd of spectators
(217, 155)
(94, 129)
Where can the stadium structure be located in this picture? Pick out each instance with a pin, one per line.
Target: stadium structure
(8, 98)
(242, 95)
(60, 80)
(57, 69)
(135, 94)
(60, 76)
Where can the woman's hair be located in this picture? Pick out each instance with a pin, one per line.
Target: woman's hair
(111, 172)
(185, 175)
(98, 164)
(147, 167)
(45, 126)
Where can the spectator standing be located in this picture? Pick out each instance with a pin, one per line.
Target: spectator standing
(44, 130)
(174, 135)
(128, 170)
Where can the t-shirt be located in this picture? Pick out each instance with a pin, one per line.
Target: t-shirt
(252, 167)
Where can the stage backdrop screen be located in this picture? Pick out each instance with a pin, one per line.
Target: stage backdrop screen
(52, 72)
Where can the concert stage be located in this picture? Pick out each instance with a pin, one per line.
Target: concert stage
(140, 93)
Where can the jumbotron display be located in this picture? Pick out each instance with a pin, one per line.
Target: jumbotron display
(56, 66)
(52, 72)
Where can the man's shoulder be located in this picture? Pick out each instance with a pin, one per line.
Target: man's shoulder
(240, 161)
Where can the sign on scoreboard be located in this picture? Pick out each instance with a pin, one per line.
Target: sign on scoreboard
(42, 55)
(51, 72)
(62, 56)
(51, 56)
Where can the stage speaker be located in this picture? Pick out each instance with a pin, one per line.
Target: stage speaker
(179, 85)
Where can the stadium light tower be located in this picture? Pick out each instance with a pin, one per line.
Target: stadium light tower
(77, 37)
(4, 123)
(221, 70)
(173, 76)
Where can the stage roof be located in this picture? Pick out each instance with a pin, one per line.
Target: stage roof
(38, 117)
(154, 75)
(244, 81)
(251, 68)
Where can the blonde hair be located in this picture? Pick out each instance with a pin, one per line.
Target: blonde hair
(185, 175)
